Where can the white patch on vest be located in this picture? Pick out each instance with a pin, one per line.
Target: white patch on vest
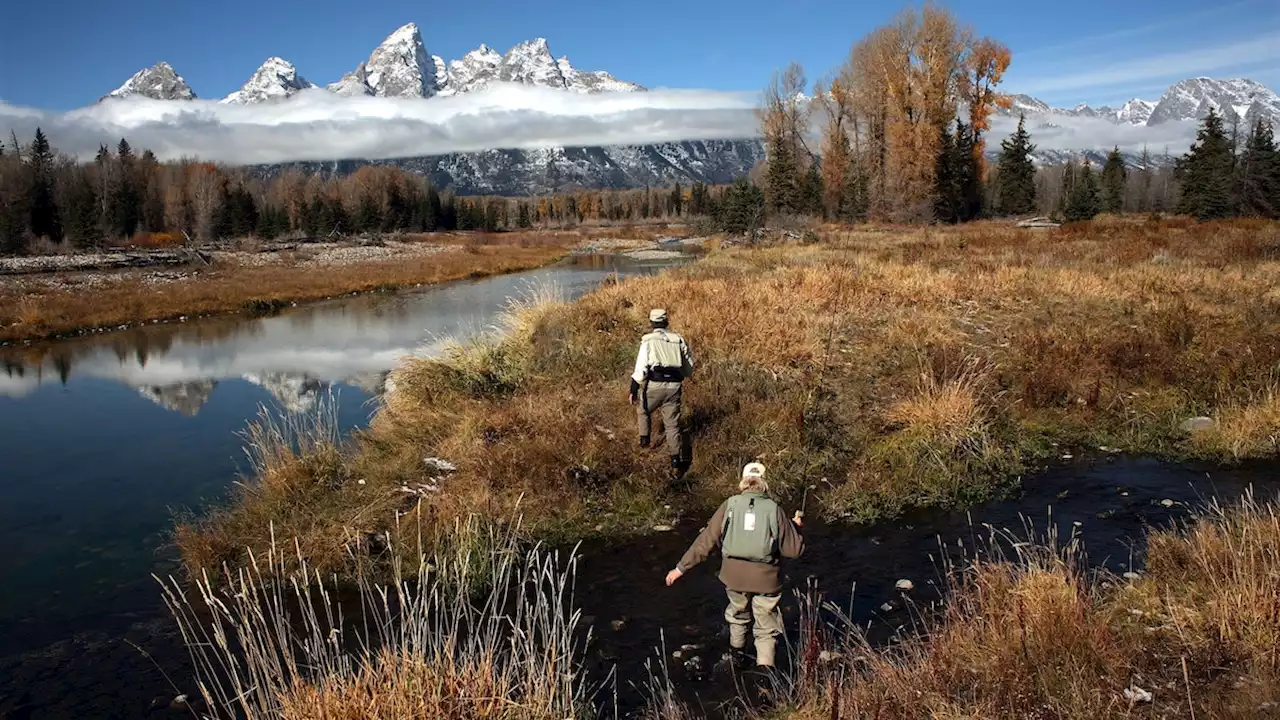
(749, 521)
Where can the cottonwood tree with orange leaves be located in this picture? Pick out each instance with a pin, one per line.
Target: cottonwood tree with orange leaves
(893, 103)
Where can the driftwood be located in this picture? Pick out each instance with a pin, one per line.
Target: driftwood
(1037, 222)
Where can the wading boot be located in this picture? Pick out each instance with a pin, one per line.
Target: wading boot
(764, 652)
(677, 468)
(738, 637)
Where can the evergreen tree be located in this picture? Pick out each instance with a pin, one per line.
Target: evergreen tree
(448, 213)
(1015, 191)
(397, 216)
(522, 215)
(80, 208)
(965, 168)
(742, 208)
(782, 179)
(1082, 202)
(125, 198)
(1114, 177)
(431, 214)
(1205, 173)
(813, 190)
(368, 215)
(1143, 191)
(314, 218)
(41, 203)
(14, 194)
(946, 204)
(853, 196)
(1259, 172)
(677, 200)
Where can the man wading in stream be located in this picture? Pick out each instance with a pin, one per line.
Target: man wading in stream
(662, 365)
(753, 534)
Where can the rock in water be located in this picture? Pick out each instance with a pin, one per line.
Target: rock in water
(904, 585)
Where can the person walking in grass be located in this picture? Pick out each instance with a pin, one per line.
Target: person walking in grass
(753, 535)
(662, 365)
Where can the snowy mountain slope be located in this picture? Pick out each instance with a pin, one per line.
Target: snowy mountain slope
(1236, 99)
(1135, 112)
(158, 82)
(543, 170)
(275, 80)
(399, 67)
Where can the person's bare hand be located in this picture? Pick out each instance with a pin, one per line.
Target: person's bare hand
(632, 398)
(673, 576)
(798, 519)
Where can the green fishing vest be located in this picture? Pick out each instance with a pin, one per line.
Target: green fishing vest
(751, 528)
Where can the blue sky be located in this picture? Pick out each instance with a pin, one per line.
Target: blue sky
(70, 52)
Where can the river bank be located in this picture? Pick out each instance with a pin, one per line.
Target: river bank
(884, 369)
(56, 296)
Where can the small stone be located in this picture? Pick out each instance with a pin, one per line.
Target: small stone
(1067, 456)
(360, 481)
(1167, 503)
(887, 607)
(662, 528)
(1131, 575)
(827, 656)
(1196, 424)
(1136, 694)
(677, 654)
(618, 625)
(600, 527)
(904, 585)
(180, 704)
(439, 464)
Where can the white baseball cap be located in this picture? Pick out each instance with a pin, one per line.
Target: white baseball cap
(753, 469)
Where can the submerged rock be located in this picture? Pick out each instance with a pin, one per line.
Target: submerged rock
(904, 585)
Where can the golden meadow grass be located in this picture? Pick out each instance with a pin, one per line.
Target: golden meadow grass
(887, 367)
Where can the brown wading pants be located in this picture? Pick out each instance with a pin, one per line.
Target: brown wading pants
(664, 396)
(743, 608)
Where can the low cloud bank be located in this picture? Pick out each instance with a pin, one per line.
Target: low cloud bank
(1065, 132)
(318, 125)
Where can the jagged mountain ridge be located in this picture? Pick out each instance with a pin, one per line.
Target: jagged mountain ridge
(1235, 99)
(517, 172)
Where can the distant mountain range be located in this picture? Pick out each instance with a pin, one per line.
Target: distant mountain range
(402, 67)
(399, 67)
(1238, 100)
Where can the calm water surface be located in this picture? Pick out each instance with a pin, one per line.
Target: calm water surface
(103, 438)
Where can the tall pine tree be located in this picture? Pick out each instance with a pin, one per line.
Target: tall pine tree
(41, 202)
(1082, 202)
(126, 199)
(1015, 191)
(1259, 171)
(1205, 173)
(782, 179)
(1114, 176)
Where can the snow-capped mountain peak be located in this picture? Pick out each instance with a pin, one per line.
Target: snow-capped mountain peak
(399, 67)
(158, 82)
(1135, 112)
(531, 63)
(1237, 100)
(474, 70)
(276, 79)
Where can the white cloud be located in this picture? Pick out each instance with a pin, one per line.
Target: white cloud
(1065, 132)
(317, 125)
(1198, 61)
